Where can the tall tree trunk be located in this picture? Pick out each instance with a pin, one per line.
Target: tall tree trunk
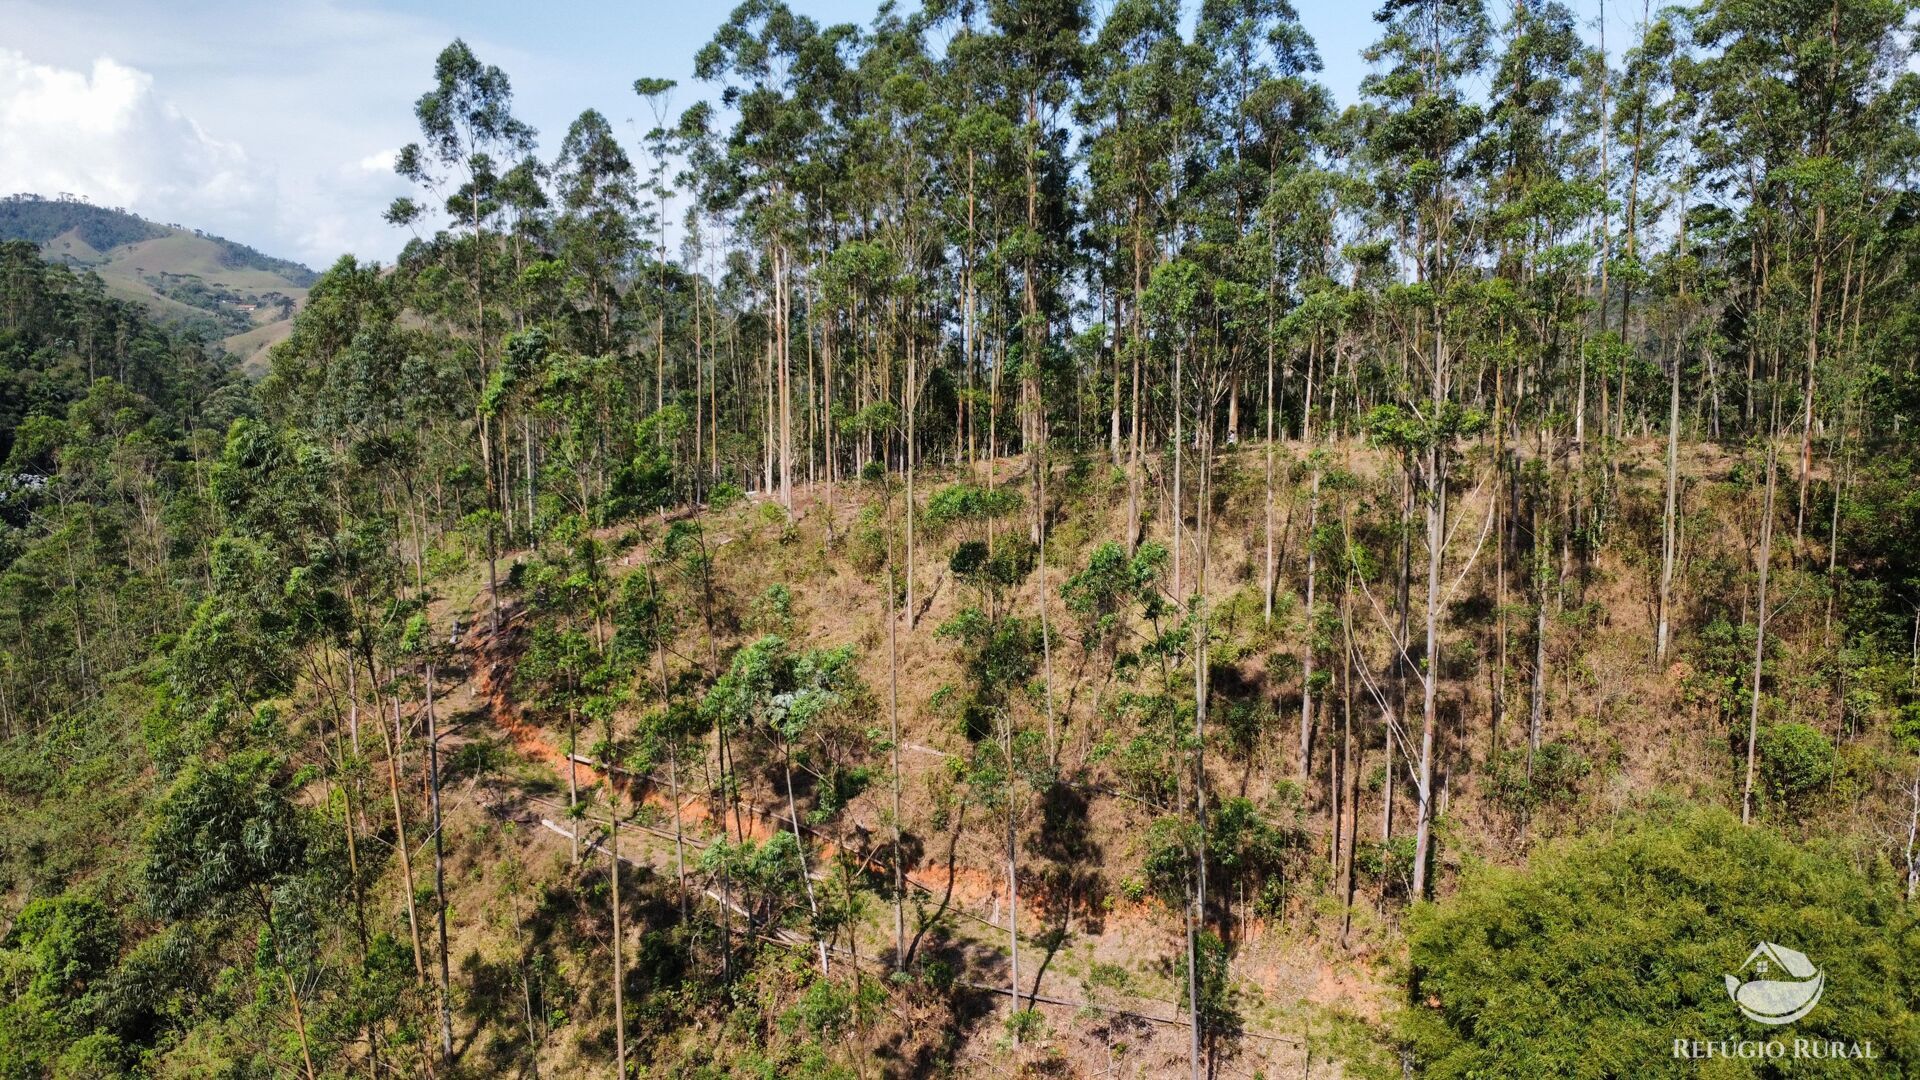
(800, 849)
(893, 749)
(912, 396)
(293, 991)
(1267, 575)
(1760, 632)
(1436, 554)
(573, 785)
(1013, 880)
(1669, 541)
(786, 388)
(400, 837)
(1813, 360)
(1179, 495)
(619, 969)
(439, 873)
(1913, 844)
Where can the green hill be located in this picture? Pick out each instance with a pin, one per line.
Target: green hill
(228, 291)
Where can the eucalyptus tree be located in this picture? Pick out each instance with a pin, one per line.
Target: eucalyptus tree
(657, 93)
(555, 674)
(1797, 97)
(1136, 81)
(597, 228)
(977, 141)
(1282, 193)
(418, 642)
(470, 139)
(1536, 191)
(1419, 124)
(1039, 54)
(226, 840)
(781, 695)
(1262, 117)
(775, 65)
(907, 121)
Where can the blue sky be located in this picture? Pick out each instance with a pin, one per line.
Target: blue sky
(274, 124)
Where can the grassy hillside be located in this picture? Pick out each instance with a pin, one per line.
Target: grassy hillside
(227, 290)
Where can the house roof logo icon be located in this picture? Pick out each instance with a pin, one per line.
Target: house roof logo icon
(1776, 985)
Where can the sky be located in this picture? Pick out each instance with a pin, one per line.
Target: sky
(276, 124)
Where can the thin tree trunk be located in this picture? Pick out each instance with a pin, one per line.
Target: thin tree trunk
(400, 838)
(439, 874)
(1266, 587)
(1760, 634)
(800, 848)
(893, 734)
(1913, 844)
(1013, 883)
(619, 969)
(1668, 538)
(911, 394)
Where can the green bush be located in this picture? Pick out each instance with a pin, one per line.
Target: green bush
(1558, 768)
(1391, 862)
(1593, 960)
(725, 495)
(1794, 759)
(1906, 727)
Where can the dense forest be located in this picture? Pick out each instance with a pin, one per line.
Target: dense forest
(1022, 542)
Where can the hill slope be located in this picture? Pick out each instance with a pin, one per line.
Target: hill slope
(232, 292)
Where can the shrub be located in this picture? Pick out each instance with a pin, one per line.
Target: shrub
(1558, 768)
(773, 610)
(1906, 727)
(724, 495)
(1390, 861)
(1794, 759)
(1594, 959)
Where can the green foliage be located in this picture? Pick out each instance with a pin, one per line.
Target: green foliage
(1024, 1025)
(56, 985)
(999, 657)
(1113, 588)
(1245, 848)
(225, 839)
(1218, 1009)
(1906, 728)
(1795, 758)
(993, 569)
(969, 504)
(949, 236)
(1609, 948)
(1525, 782)
(1389, 862)
(829, 1009)
(1722, 676)
(767, 871)
(773, 609)
(725, 495)
(769, 684)
(38, 220)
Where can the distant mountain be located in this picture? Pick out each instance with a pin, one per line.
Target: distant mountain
(230, 291)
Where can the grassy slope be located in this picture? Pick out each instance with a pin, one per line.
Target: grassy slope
(1640, 730)
(1312, 1000)
(128, 270)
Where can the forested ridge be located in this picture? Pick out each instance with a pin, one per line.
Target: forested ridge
(1027, 541)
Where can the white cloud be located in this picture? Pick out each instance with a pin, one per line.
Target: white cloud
(106, 134)
(258, 124)
(272, 124)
